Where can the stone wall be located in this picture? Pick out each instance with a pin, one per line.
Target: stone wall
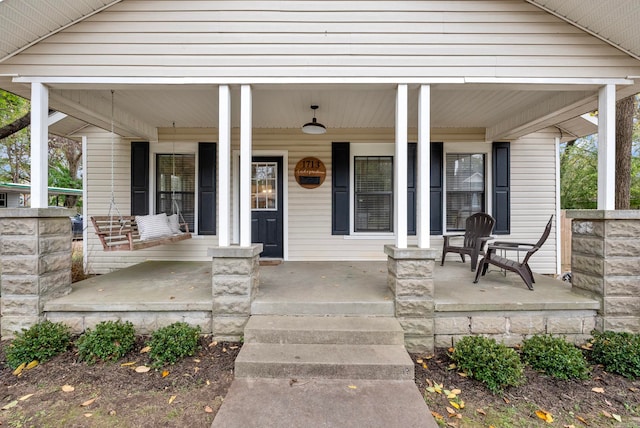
(605, 263)
(35, 255)
(511, 327)
(410, 278)
(235, 284)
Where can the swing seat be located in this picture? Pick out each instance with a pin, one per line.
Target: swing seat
(120, 233)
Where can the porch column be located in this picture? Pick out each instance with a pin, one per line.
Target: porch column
(224, 165)
(39, 145)
(423, 212)
(400, 171)
(605, 262)
(606, 147)
(35, 256)
(245, 165)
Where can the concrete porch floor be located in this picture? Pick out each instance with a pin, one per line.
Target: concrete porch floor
(325, 287)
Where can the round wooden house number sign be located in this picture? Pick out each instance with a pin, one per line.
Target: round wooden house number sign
(310, 172)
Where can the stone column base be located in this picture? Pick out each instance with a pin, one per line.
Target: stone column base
(35, 255)
(410, 277)
(235, 283)
(605, 263)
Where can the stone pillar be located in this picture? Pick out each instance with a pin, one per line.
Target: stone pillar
(605, 263)
(35, 256)
(410, 278)
(235, 284)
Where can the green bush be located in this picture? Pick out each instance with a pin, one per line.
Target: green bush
(617, 352)
(108, 342)
(173, 342)
(555, 356)
(40, 342)
(492, 363)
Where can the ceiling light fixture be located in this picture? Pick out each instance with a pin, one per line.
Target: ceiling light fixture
(314, 127)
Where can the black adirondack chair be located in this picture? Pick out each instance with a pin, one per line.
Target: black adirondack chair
(520, 267)
(478, 228)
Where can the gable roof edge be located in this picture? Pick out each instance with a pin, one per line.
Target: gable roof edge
(64, 27)
(582, 28)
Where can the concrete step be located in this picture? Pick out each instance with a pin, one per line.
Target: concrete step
(324, 330)
(263, 306)
(269, 360)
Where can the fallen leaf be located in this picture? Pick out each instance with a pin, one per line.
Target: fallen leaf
(436, 415)
(14, 403)
(616, 417)
(224, 349)
(583, 420)
(212, 344)
(461, 374)
(353, 387)
(196, 370)
(89, 402)
(598, 390)
(456, 391)
(142, 369)
(145, 349)
(606, 414)
(482, 412)
(208, 409)
(544, 415)
(608, 402)
(451, 411)
(133, 363)
(424, 366)
(632, 389)
(172, 398)
(506, 400)
(233, 347)
(25, 397)
(454, 404)
(568, 426)
(88, 415)
(165, 373)
(419, 361)
(112, 413)
(451, 350)
(452, 366)
(208, 383)
(196, 360)
(19, 369)
(68, 388)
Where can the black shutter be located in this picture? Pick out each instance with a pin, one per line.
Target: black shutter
(412, 151)
(436, 189)
(501, 185)
(340, 188)
(206, 188)
(140, 178)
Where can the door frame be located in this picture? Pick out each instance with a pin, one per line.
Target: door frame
(235, 172)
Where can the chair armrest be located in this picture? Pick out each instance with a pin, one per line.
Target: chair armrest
(511, 246)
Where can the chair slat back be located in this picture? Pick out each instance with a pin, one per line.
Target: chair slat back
(541, 241)
(477, 226)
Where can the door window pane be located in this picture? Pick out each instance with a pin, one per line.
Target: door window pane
(373, 176)
(465, 188)
(264, 189)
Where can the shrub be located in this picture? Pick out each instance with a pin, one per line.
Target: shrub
(617, 352)
(492, 363)
(555, 356)
(173, 342)
(40, 342)
(108, 342)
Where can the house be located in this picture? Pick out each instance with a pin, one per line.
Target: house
(13, 195)
(202, 104)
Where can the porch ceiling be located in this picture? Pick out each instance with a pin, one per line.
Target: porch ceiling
(346, 106)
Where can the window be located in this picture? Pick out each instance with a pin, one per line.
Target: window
(175, 185)
(373, 192)
(264, 186)
(465, 188)
(3, 200)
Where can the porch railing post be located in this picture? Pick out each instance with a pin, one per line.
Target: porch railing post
(606, 147)
(39, 145)
(224, 165)
(400, 170)
(423, 212)
(245, 165)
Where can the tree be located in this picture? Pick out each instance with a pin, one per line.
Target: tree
(579, 174)
(625, 110)
(15, 148)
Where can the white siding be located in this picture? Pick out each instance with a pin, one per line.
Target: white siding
(506, 38)
(309, 210)
(533, 184)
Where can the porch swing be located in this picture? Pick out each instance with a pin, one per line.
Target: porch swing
(123, 233)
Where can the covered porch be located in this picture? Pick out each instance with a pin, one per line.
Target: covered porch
(157, 293)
